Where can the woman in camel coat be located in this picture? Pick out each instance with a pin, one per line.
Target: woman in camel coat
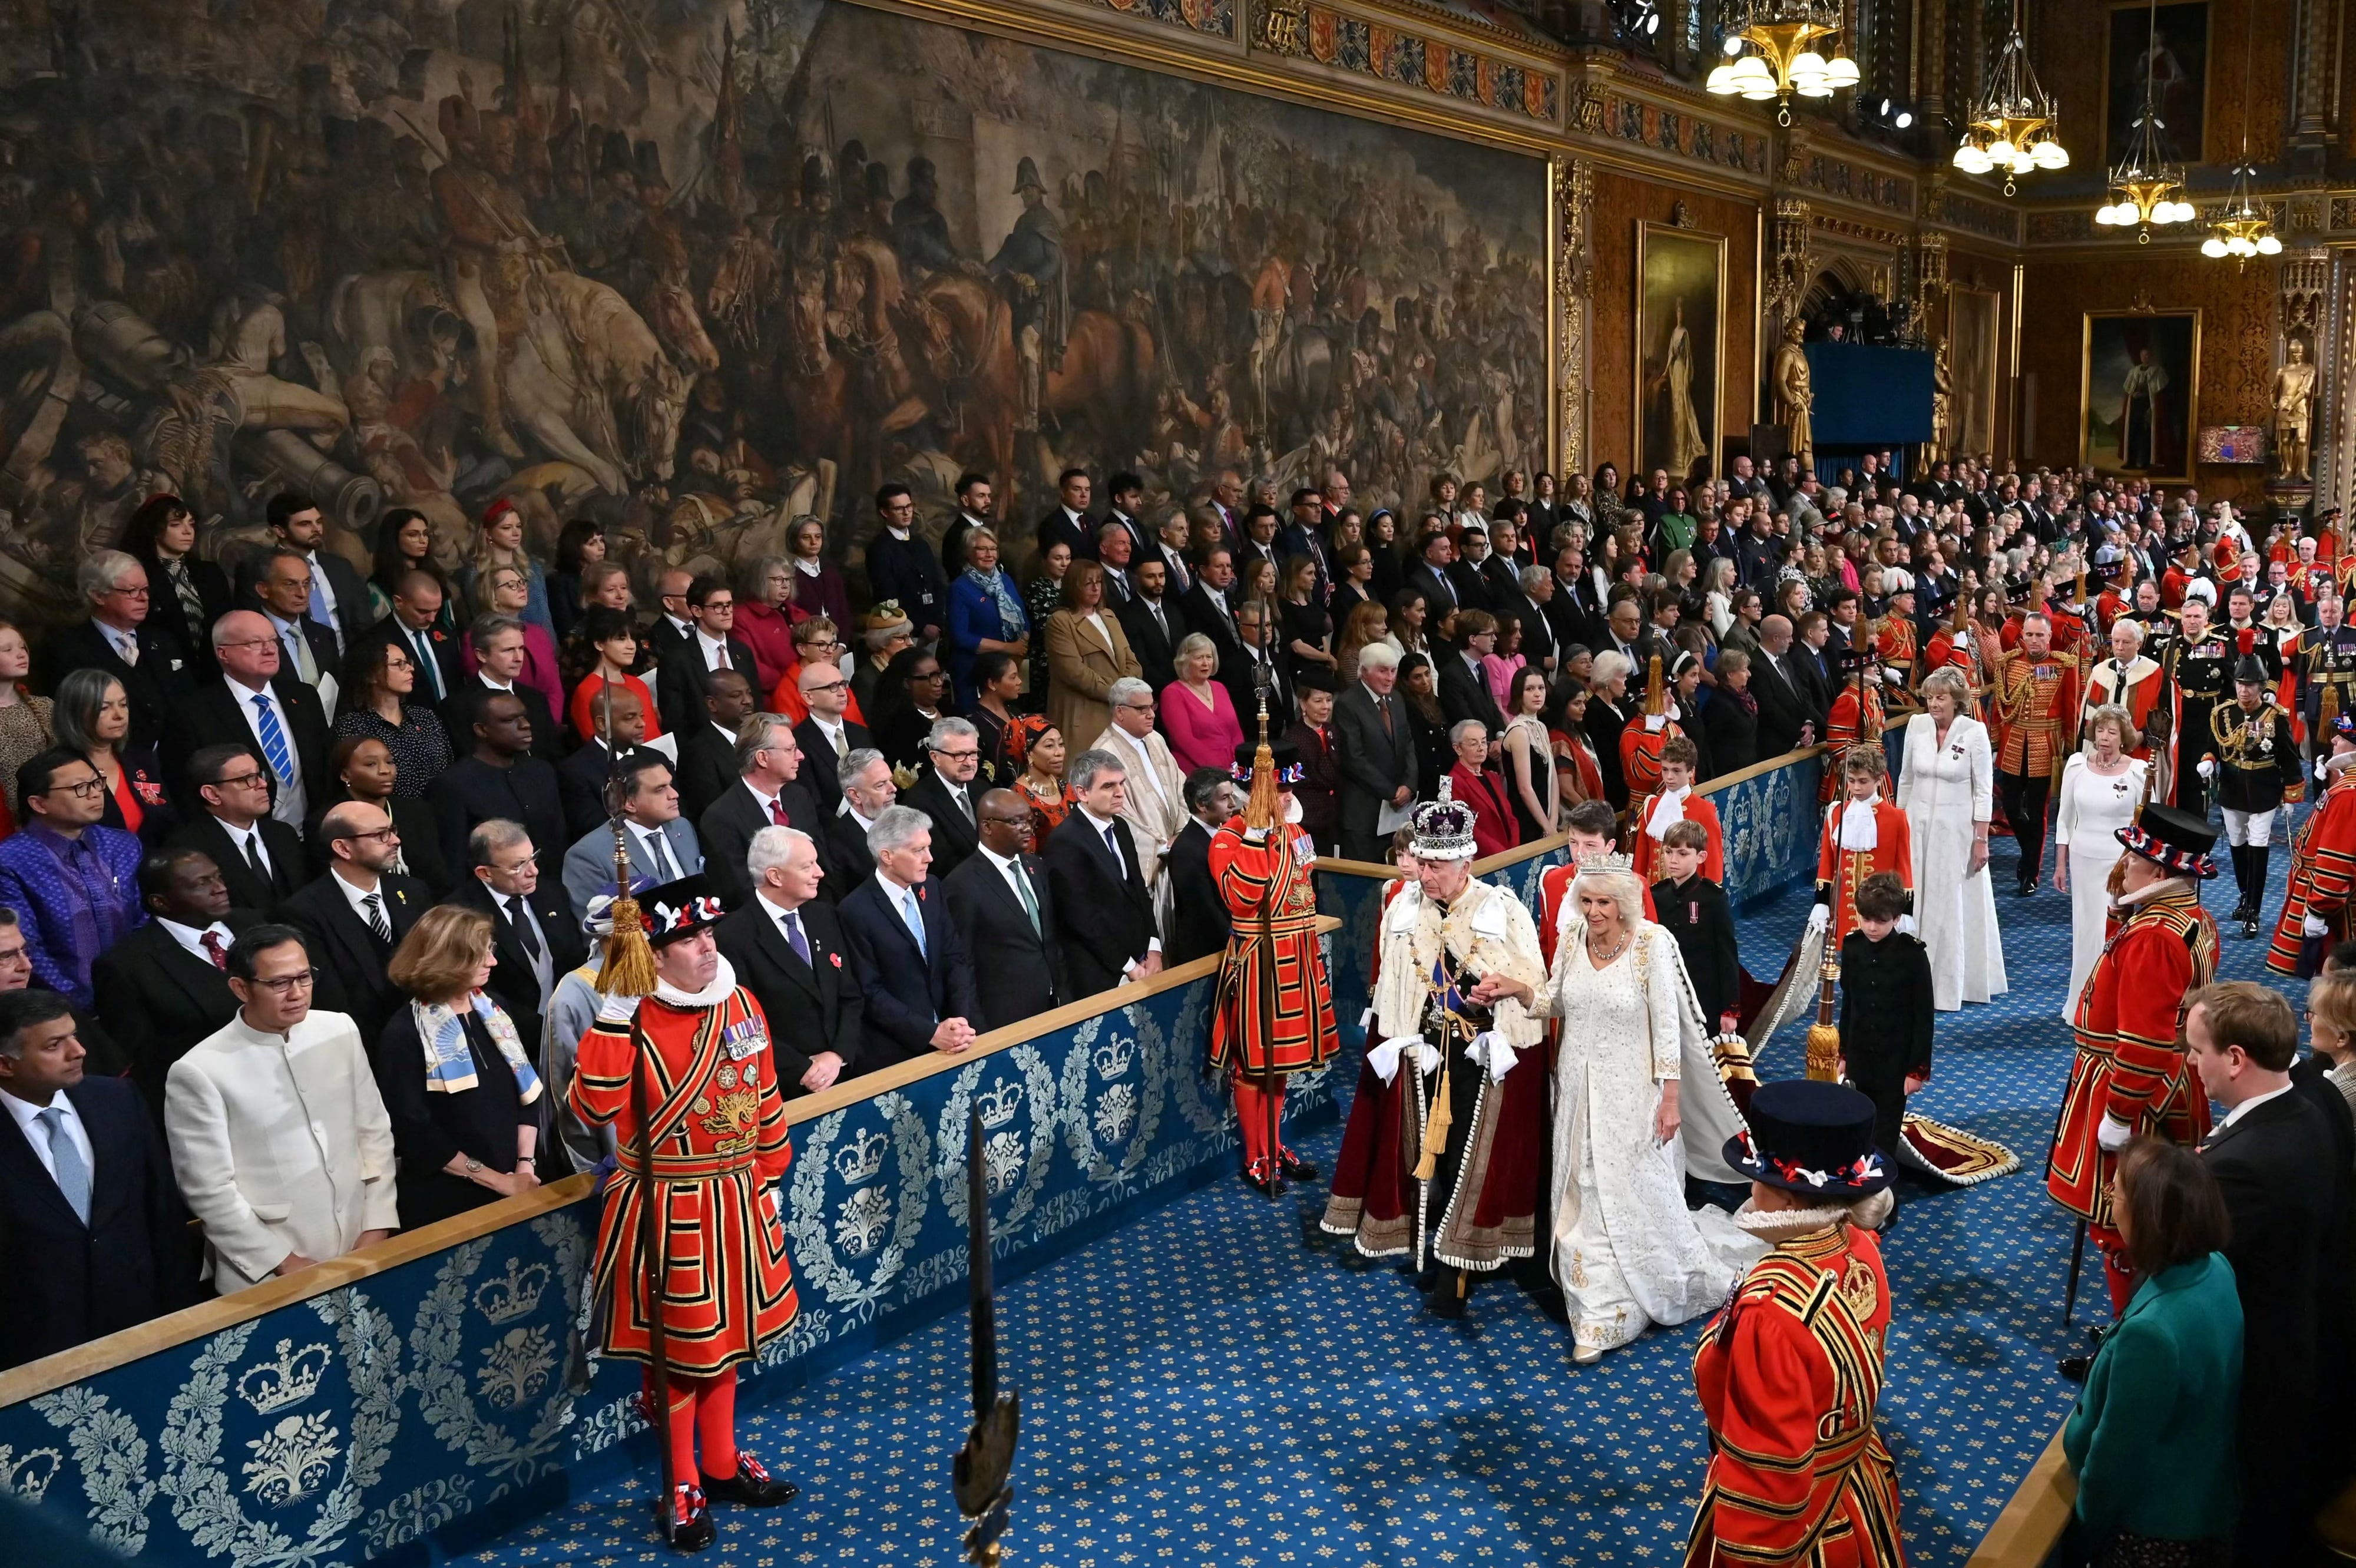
(1087, 652)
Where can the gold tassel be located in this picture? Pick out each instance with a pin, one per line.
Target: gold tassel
(1435, 1129)
(629, 967)
(1824, 1053)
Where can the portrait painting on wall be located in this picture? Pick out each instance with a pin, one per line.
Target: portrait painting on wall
(1680, 349)
(2169, 49)
(1973, 352)
(2139, 392)
(700, 275)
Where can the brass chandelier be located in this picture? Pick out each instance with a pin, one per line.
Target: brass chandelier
(2147, 185)
(1773, 54)
(2243, 229)
(2013, 124)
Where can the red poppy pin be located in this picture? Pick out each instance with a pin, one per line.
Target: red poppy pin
(837, 959)
(150, 793)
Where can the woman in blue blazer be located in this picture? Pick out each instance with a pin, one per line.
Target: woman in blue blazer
(986, 614)
(2153, 1438)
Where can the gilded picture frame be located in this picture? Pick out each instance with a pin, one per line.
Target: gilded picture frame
(1679, 350)
(2139, 393)
(1974, 324)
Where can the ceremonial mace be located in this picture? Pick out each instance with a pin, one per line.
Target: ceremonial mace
(629, 970)
(1260, 811)
(1824, 1035)
(980, 1472)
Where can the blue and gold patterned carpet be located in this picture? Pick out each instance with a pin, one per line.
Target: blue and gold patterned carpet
(1203, 1387)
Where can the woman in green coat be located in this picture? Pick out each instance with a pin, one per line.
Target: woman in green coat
(2152, 1440)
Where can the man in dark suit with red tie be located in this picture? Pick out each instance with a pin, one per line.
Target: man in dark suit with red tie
(166, 986)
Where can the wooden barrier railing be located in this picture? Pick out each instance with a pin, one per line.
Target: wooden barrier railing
(2026, 1532)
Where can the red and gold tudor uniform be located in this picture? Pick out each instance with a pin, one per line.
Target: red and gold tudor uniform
(716, 1130)
(1268, 873)
(1855, 720)
(2130, 1066)
(2322, 865)
(1789, 1373)
(1691, 806)
(1851, 847)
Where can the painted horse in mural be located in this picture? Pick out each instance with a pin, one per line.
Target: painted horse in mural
(586, 378)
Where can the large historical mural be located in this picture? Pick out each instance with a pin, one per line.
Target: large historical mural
(697, 268)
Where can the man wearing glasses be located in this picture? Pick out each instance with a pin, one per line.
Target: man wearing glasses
(73, 882)
(1156, 803)
(279, 1138)
(255, 704)
(260, 859)
(356, 916)
(119, 639)
(828, 735)
(944, 792)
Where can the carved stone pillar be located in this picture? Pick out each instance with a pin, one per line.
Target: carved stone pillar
(2312, 86)
(1573, 189)
(1789, 266)
(2335, 440)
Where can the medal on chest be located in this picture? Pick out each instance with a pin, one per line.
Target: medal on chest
(740, 1039)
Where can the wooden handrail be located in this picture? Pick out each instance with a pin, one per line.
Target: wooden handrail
(2024, 1534)
(1766, 765)
(207, 1318)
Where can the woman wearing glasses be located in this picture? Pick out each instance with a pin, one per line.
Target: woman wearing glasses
(382, 682)
(92, 715)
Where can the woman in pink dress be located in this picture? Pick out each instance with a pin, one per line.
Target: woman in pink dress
(1197, 715)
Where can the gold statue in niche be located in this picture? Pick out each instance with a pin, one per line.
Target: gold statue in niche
(2293, 409)
(1793, 401)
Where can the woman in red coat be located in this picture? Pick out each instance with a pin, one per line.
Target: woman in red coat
(1494, 829)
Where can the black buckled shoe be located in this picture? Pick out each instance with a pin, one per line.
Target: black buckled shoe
(2073, 1369)
(1296, 1168)
(751, 1487)
(691, 1526)
(1256, 1177)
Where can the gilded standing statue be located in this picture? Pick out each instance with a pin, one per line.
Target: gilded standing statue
(1794, 400)
(2293, 407)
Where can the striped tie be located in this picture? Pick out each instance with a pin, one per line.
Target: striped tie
(273, 739)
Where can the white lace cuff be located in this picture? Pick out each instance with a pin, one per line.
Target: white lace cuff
(1493, 1051)
(1385, 1059)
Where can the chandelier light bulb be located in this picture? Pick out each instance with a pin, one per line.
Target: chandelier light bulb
(2269, 246)
(1841, 71)
(2000, 150)
(2213, 247)
(1733, 45)
(1720, 81)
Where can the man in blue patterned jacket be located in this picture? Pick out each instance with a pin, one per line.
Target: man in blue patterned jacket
(72, 882)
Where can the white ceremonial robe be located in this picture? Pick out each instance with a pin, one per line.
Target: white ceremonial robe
(1944, 790)
(1627, 1251)
(2093, 810)
(280, 1146)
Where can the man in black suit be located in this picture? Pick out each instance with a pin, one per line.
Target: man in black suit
(1255, 638)
(1127, 494)
(2285, 1181)
(714, 645)
(1068, 522)
(497, 641)
(767, 792)
(338, 598)
(259, 857)
(902, 569)
(1198, 915)
(416, 606)
(1005, 916)
(500, 778)
(1786, 713)
(581, 778)
(973, 499)
(166, 986)
(535, 941)
(944, 792)
(120, 638)
(282, 592)
(1102, 906)
(787, 948)
(1209, 607)
(1463, 687)
(919, 992)
(1574, 612)
(254, 705)
(1375, 747)
(356, 916)
(671, 627)
(1153, 622)
(93, 1237)
(1533, 590)
(1468, 573)
(826, 736)
(1429, 577)
(868, 789)
(707, 748)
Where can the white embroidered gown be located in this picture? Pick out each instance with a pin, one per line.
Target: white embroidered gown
(1944, 790)
(2086, 830)
(1627, 1253)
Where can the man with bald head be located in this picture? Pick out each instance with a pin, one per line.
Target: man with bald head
(619, 717)
(707, 749)
(353, 918)
(1006, 916)
(255, 703)
(416, 625)
(672, 626)
(828, 736)
(1787, 716)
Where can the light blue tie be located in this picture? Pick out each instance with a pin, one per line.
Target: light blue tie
(319, 601)
(915, 921)
(273, 739)
(73, 1176)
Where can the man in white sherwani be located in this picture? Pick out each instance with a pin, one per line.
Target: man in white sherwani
(279, 1139)
(1156, 803)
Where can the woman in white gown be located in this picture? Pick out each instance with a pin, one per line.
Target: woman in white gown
(1946, 788)
(2101, 788)
(1637, 1102)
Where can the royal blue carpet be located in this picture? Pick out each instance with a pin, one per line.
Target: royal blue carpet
(1203, 1387)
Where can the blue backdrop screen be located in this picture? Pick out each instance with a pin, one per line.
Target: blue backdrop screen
(1867, 396)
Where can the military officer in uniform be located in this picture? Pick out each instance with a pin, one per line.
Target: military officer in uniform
(2327, 678)
(2195, 664)
(2130, 1075)
(2033, 694)
(2252, 762)
(686, 1080)
(1261, 862)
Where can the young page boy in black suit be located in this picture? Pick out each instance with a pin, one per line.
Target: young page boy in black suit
(1885, 1018)
(1694, 910)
